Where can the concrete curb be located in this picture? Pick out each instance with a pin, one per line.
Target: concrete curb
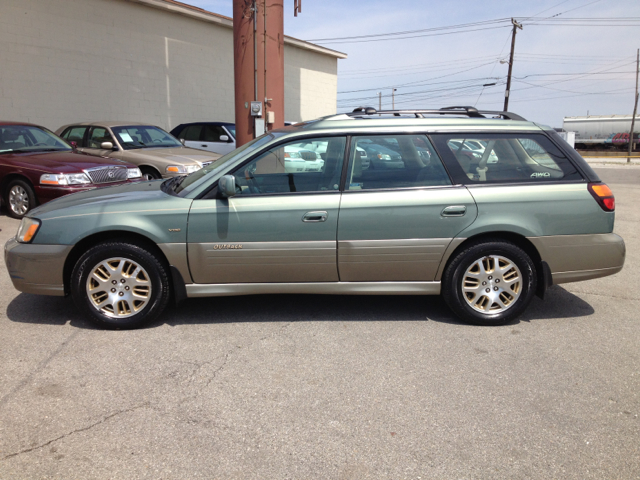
(622, 161)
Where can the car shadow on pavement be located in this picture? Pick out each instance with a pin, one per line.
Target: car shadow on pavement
(36, 309)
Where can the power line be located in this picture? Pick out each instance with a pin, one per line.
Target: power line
(409, 32)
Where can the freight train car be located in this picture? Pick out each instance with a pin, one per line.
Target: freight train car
(602, 131)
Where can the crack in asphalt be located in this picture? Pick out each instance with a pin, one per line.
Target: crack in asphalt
(40, 367)
(609, 296)
(228, 355)
(84, 429)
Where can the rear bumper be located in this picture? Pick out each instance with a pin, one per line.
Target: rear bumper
(573, 258)
(36, 268)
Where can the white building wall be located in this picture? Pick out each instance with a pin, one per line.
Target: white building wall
(64, 61)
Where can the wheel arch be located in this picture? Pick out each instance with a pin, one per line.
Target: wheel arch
(543, 273)
(150, 167)
(7, 179)
(100, 237)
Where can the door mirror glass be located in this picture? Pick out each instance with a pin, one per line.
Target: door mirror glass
(106, 145)
(224, 138)
(227, 185)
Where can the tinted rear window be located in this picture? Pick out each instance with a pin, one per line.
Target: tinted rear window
(505, 158)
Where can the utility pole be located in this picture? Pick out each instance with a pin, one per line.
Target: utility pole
(635, 107)
(379, 100)
(393, 98)
(516, 25)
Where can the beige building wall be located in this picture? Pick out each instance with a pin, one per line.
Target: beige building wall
(65, 61)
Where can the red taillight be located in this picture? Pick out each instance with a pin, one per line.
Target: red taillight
(603, 195)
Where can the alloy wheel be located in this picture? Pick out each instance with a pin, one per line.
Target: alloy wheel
(118, 287)
(18, 200)
(492, 284)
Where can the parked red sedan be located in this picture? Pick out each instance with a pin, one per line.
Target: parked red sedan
(37, 166)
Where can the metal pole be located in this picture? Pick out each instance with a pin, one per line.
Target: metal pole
(255, 51)
(635, 108)
(266, 100)
(516, 25)
(379, 100)
(393, 98)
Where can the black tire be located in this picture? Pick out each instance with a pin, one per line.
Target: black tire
(18, 194)
(149, 173)
(115, 314)
(462, 271)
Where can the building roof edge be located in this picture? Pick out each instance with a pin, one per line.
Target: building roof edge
(180, 8)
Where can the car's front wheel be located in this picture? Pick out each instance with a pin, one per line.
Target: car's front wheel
(19, 198)
(120, 285)
(489, 282)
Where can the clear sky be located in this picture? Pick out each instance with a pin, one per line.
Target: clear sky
(573, 57)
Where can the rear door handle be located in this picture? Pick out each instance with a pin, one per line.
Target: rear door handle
(454, 211)
(315, 217)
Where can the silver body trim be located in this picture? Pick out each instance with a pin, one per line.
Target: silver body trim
(414, 259)
(332, 288)
(264, 262)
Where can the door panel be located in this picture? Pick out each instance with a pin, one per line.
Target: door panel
(263, 239)
(399, 235)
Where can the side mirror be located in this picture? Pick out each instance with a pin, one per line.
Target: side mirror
(74, 146)
(182, 141)
(106, 145)
(224, 138)
(227, 185)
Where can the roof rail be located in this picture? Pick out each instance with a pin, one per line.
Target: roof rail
(471, 112)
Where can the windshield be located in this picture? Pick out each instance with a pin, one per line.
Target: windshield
(25, 138)
(144, 136)
(198, 178)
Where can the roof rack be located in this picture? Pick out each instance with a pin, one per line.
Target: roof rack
(471, 112)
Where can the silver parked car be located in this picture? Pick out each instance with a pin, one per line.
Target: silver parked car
(487, 236)
(157, 153)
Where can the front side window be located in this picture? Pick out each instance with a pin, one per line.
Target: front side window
(98, 136)
(394, 161)
(506, 158)
(300, 166)
(144, 136)
(25, 138)
(212, 133)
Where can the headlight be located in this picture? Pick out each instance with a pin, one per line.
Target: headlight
(134, 173)
(64, 179)
(183, 168)
(27, 229)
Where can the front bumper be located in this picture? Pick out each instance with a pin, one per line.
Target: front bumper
(36, 268)
(46, 193)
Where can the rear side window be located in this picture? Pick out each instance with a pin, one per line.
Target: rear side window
(504, 158)
(394, 161)
(191, 133)
(75, 134)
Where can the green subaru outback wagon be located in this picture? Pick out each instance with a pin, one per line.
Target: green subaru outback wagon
(484, 208)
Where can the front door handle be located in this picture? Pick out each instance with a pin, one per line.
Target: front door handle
(315, 217)
(454, 211)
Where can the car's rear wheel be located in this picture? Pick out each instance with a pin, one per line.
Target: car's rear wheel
(489, 282)
(19, 198)
(120, 285)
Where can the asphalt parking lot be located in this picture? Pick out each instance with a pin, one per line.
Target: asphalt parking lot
(330, 387)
